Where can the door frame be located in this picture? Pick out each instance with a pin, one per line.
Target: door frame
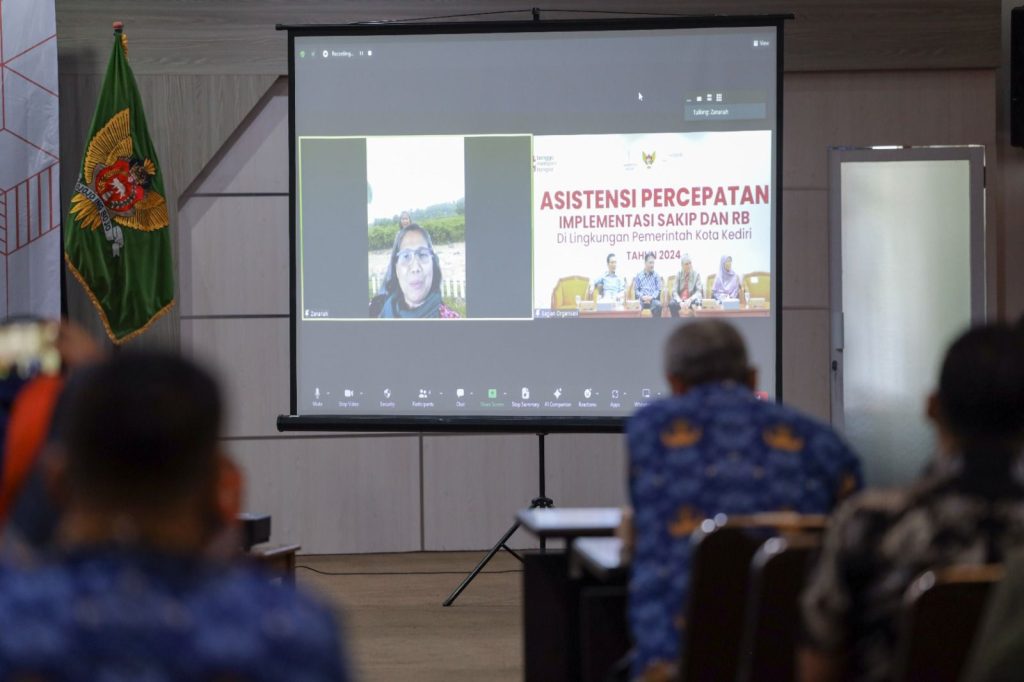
(979, 295)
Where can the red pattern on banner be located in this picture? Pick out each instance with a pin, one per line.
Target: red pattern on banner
(30, 48)
(26, 78)
(35, 226)
(30, 143)
(23, 225)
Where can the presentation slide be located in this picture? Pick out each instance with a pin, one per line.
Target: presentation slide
(636, 198)
(509, 223)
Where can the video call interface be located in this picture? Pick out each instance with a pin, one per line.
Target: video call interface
(511, 224)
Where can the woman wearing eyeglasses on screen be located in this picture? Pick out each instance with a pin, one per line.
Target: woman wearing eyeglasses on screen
(413, 286)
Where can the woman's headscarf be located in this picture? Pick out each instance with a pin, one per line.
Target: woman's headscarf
(727, 281)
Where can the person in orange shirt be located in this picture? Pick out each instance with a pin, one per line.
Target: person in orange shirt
(32, 411)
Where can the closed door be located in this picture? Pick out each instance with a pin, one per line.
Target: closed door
(907, 268)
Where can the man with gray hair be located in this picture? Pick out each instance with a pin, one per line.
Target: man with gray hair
(713, 447)
(688, 290)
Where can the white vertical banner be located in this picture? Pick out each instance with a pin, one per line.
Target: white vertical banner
(30, 212)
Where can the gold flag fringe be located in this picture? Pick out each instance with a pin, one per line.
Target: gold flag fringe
(103, 315)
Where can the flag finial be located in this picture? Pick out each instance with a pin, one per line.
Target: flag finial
(118, 25)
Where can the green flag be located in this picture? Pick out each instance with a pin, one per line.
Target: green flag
(116, 238)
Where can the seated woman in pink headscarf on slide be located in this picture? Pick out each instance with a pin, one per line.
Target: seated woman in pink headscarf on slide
(727, 283)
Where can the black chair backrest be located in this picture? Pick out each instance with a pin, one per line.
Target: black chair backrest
(942, 611)
(777, 575)
(719, 583)
(718, 593)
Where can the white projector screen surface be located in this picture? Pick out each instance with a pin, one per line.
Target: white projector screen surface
(543, 173)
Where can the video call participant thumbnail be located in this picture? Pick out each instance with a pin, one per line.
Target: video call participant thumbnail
(413, 285)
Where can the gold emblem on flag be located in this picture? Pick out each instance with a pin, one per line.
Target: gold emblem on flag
(115, 182)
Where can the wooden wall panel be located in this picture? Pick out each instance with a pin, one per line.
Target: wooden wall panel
(226, 36)
(1010, 249)
(250, 357)
(472, 488)
(335, 495)
(885, 108)
(191, 116)
(234, 256)
(1009, 183)
(254, 160)
(586, 470)
(473, 485)
(805, 241)
(805, 361)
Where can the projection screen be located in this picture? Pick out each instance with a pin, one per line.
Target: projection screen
(496, 225)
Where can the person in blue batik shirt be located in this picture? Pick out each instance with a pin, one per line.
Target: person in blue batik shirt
(710, 448)
(129, 592)
(647, 286)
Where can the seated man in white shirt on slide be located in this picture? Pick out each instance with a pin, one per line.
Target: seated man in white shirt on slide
(609, 285)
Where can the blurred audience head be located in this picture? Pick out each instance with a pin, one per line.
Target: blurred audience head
(137, 437)
(980, 398)
(706, 351)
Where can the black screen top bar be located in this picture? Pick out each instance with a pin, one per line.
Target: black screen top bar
(544, 25)
(451, 424)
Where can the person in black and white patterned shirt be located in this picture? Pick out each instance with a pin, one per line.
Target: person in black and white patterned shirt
(968, 510)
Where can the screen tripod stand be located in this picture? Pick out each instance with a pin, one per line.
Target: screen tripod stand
(539, 502)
